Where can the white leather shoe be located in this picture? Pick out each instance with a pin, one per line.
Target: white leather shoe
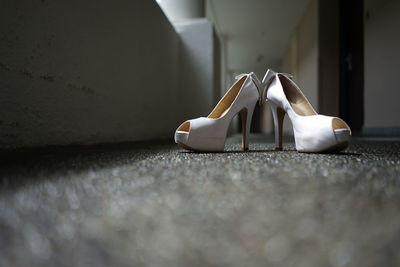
(312, 132)
(209, 133)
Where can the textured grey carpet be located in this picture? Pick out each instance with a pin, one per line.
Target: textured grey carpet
(153, 204)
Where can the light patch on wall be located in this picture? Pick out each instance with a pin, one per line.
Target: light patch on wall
(178, 11)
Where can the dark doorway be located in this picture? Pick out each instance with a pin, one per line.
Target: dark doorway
(351, 31)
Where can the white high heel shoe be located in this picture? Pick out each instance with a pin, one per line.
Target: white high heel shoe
(209, 133)
(312, 132)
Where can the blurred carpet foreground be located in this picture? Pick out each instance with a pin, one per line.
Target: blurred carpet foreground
(152, 204)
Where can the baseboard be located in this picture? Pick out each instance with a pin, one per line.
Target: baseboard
(381, 131)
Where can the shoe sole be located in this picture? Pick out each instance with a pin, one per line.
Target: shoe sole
(184, 146)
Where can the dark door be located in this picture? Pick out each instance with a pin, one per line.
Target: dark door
(351, 30)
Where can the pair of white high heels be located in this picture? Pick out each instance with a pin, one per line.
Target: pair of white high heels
(312, 132)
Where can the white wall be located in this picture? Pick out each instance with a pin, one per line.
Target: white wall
(307, 53)
(382, 57)
(289, 62)
(86, 72)
(199, 58)
(301, 57)
(199, 84)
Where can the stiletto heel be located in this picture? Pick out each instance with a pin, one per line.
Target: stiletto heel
(209, 133)
(312, 132)
(246, 114)
(278, 116)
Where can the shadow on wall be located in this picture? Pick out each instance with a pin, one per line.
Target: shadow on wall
(87, 72)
